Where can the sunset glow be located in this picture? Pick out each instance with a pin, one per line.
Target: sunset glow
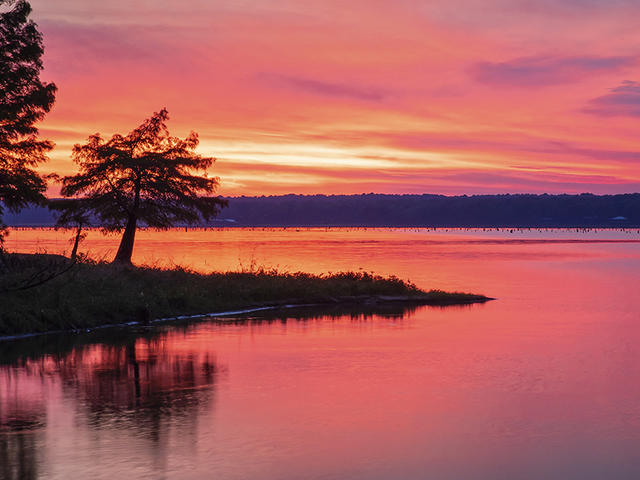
(453, 97)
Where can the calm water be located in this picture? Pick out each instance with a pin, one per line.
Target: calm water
(542, 383)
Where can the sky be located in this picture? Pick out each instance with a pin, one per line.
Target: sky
(333, 96)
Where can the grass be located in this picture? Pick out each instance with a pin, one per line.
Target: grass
(92, 294)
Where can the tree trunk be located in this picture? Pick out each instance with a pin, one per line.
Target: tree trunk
(125, 250)
(76, 243)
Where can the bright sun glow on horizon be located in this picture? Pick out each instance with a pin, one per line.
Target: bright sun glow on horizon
(458, 97)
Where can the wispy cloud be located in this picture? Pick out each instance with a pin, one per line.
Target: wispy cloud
(623, 100)
(544, 71)
(577, 6)
(504, 143)
(315, 179)
(319, 87)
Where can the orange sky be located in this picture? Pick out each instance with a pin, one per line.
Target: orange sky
(409, 96)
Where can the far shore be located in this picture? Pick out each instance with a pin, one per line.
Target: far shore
(88, 295)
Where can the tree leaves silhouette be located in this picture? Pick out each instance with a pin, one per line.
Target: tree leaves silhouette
(24, 100)
(146, 176)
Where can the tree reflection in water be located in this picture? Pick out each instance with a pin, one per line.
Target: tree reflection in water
(20, 429)
(114, 391)
(142, 386)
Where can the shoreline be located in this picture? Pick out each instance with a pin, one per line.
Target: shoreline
(87, 295)
(237, 314)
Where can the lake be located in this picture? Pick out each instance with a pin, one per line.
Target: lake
(540, 383)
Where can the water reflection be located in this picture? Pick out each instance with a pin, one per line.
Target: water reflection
(357, 313)
(18, 453)
(138, 386)
(146, 386)
(20, 433)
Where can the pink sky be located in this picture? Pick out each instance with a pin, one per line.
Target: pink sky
(438, 96)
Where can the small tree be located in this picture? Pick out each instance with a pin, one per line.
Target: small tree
(24, 100)
(146, 176)
(72, 214)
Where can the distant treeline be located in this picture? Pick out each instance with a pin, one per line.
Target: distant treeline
(375, 210)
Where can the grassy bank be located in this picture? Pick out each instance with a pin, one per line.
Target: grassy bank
(89, 294)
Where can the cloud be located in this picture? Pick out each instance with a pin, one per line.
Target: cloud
(80, 49)
(523, 15)
(623, 100)
(324, 88)
(543, 71)
(579, 6)
(503, 143)
(316, 179)
(416, 145)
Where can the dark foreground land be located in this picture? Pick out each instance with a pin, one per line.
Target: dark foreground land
(87, 294)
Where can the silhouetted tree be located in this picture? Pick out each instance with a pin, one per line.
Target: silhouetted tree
(72, 214)
(24, 99)
(146, 176)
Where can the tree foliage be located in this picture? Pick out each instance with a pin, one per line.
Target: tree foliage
(378, 210)
(146, 176)
(24, 100)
